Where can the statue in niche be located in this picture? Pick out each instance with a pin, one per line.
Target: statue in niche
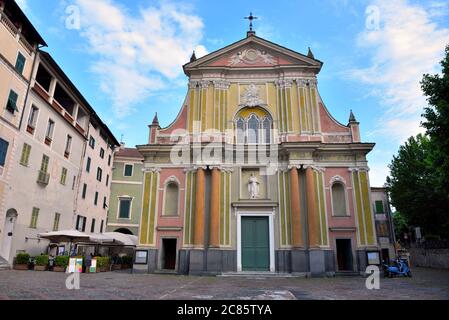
(253, 187)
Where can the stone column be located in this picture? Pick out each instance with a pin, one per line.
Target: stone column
(297, 233)
(312, 209)
(198, 237)
(215, 209)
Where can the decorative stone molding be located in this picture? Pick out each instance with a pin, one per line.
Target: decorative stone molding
(227, 169)
(196, 167)
(204, 84)
(337, 178)
(297, 166)
(152, 170)
(221, 84)
(359, 169)
(251, 97)
(251, 56)
(284, 83)
(303, 82)
(316, 168)
(193, 84)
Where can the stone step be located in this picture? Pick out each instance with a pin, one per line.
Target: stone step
(4, 265)
(255, 275)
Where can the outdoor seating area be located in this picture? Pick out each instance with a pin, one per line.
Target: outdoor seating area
(75, 251)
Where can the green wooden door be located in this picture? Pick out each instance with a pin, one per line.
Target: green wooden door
(255, 244)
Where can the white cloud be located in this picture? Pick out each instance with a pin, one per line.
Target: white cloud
(408, 44)
(138, 54)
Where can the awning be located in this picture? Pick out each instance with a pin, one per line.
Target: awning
(75, 236)
(124, 239)
(65, 236)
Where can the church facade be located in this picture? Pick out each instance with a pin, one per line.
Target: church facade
(255, 175)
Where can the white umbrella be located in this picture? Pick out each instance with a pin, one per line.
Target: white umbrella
(125, 239)
(64, 236)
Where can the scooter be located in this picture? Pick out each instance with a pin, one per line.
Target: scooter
(399, 268)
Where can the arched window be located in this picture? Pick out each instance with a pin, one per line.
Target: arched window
(240, 131)
(171, 200)
(253, 129)
(266, 126)
(339, 200)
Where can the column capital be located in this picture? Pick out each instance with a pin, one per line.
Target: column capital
(151, 170)
(221, 84)
(316, 168)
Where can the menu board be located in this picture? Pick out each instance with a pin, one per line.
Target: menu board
(75, 265)
(93, 266)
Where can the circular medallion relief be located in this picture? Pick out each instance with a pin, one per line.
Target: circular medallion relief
(251, 55)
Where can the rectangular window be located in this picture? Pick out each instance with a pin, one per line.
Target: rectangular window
(128, 170)
(89, 161)
(20, 63)
(380, 207)
(92, 228)
(25, 158)
(11, 105)
(107, 181)
(102, 153)
(92, 142)
(49, 132)
(124, 209)
(101, 226)
(96, 199)
(68, 146)
(44, 164)
(34, 217)
(3, 151)
(73, 182)
(84, 191)
(99, 174)
(109, 160)
(32, 119)
(105, 204)
(63, 176)
(56, 222)
(81, 223)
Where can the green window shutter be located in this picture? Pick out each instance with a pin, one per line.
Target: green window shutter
(380, 207)
(128, 170)
(63, 176)
(34, 217)
(20, 63)
(24, 159)
(125, 207)
(11, 106)
(44, 165)
(3, 151)
(56, 222)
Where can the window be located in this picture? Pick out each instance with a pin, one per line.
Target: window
(171, 199)
(92, 227)
(101, 226)
(84, 191)
(105, 203)
(68, 146)
(89, 161)
(3, 151)
(96, 198)
(240, 131)
(107, 181)
(49, 132)
(63, 176)
(44, 177)
(34, 217)
(25, 158)
(128, 170)
(92, 142)
(380, 207)
(102, 153)
(254, 129)
(109, 160)
(125, 208)
(32, 119)
(44, 164)
(99, 174)
(73, 182)
(81, 223)
(11, 105)
(339, 200)
(266, 133)
(56, 222)
(20, 63)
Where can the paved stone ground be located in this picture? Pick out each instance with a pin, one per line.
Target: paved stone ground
(426, 284)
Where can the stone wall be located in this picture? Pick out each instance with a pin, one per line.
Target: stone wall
(430, 258)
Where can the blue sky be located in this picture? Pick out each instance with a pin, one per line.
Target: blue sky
(126, 56)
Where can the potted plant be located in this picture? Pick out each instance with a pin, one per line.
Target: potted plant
(127, 262)
(21, 261)
(102, 264)
(61, 263)
(41, 263)
(117, 264)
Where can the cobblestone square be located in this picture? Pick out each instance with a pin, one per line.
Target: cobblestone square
(426, 284)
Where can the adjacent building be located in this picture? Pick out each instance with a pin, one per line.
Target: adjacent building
(384, 223)
(255, 175)
(19, 44)
(126, 192)
(51, 131)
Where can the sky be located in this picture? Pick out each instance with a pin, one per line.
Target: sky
(126, 56)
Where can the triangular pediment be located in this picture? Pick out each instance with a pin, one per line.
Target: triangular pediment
(254, 52)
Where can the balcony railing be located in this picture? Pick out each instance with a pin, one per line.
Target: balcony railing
(43, 178)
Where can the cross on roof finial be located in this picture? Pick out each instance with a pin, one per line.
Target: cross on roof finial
(251, 18)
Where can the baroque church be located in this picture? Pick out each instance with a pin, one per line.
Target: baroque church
(254, 174)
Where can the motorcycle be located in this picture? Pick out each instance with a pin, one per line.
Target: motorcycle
(399, 268)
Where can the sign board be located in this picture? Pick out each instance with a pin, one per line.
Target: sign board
(79, 265)
(373, 258)
(93, 266)
(72, 265)
(141, 257)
